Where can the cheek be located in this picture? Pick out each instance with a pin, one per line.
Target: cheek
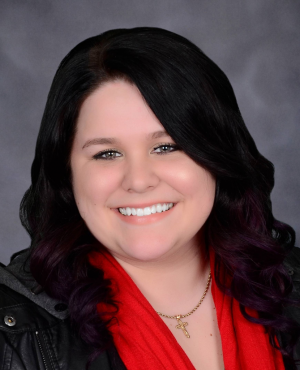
(92, 187)
(192, 181)
(204, 189)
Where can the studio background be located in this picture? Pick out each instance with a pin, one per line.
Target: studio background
(256, 43)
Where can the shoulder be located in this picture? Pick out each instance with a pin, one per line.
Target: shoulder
(25, 314)
(292, 265)
(31, 336)
(292, 260)
(292, 311)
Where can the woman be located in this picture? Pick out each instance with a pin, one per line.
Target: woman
(153, 241)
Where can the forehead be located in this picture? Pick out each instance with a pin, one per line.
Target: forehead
(116, 108)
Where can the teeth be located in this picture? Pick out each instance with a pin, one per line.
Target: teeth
(146, 211)
(159, 208)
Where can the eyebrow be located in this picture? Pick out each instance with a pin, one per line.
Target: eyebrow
(113, 141)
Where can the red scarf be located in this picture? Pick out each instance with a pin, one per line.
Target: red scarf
(143, 340)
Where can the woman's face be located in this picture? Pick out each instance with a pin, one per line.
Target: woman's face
(122, 159)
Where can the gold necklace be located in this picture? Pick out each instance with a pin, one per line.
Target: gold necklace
(181, 325)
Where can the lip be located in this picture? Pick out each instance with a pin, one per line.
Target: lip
(144, 220)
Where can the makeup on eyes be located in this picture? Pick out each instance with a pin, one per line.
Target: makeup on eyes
(100, 155)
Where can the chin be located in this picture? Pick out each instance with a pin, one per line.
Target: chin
(145, 252)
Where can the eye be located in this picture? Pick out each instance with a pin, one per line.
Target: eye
(107, 154)
(165, 148)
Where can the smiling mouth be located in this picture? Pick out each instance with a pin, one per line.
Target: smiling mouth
(140, 212)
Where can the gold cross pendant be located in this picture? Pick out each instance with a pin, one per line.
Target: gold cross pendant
(182, 325)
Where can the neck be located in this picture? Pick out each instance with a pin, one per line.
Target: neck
(173, 285)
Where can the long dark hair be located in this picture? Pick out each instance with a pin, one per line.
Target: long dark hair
(194, 101)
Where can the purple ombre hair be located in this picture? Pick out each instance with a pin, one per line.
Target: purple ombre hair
(194, 101)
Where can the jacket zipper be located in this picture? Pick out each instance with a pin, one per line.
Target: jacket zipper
(41, 349)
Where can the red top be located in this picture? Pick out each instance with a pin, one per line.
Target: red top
(143, 340)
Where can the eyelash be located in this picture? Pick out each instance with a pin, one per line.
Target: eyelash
(174, 147)
(99, 155)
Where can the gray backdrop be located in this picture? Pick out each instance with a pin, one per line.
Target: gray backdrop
(255, 42)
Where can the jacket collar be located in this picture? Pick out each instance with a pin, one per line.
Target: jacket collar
(17, 276)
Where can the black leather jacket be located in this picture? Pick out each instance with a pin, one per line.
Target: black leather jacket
(35, 332)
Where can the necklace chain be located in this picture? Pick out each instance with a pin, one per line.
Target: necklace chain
(195, 308)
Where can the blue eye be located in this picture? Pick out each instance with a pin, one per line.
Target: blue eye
(107, 155)
(165, 148)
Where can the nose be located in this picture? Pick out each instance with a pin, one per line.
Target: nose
(139, 176)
